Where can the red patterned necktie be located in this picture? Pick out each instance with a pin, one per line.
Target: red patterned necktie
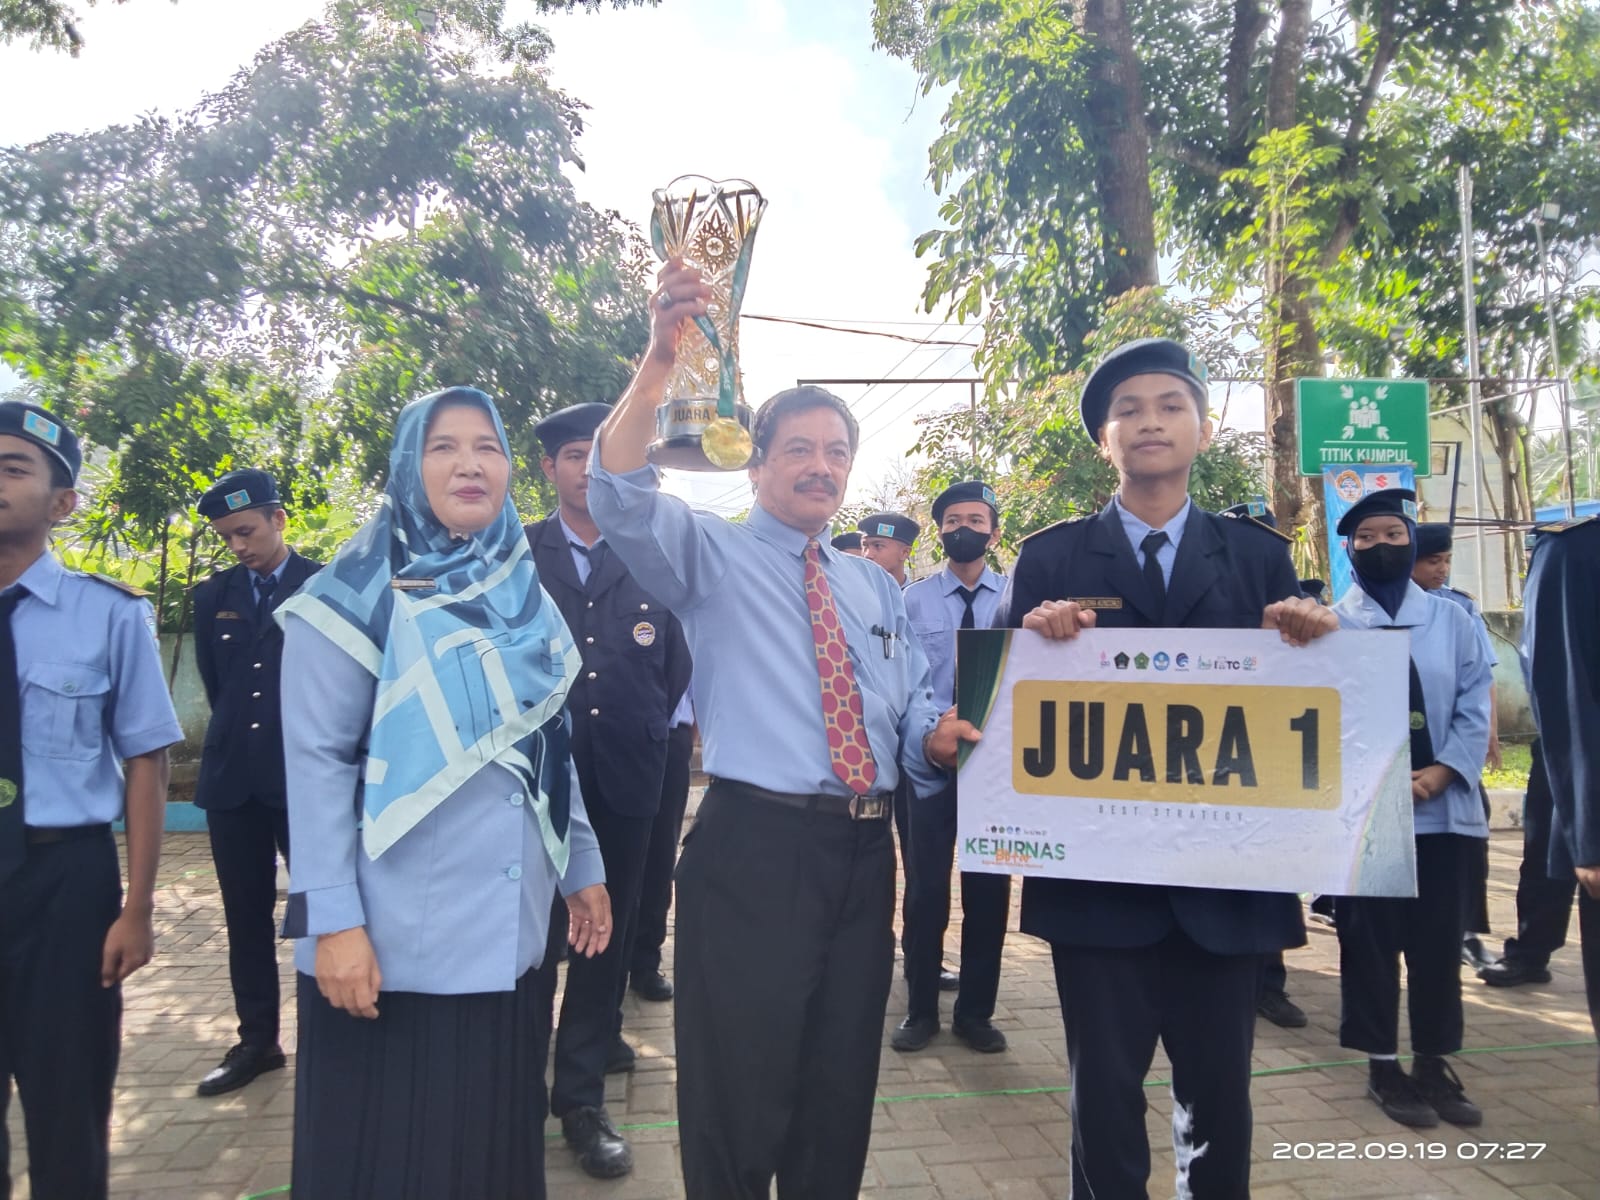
(848, 746)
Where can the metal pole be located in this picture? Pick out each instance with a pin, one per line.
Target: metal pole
(1469, 313)
(972, 443)
(1562, 401)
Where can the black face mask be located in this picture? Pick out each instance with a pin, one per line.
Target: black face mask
(1383, 562)
(964, 544)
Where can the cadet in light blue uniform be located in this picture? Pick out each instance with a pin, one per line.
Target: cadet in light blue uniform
(434, 811)
(85, 722)
(1449, 735)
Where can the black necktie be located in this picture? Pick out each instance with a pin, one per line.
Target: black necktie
(264, 589)
(596, 554)
(13, 833)
(968, 595)
(1153, 541)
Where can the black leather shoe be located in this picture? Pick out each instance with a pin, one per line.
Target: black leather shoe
(913, 1034)
(239, 1066)
(653, 986)
(981, 1036)
(620, 1059)
(1440, 1086)
(602, 1152)
(949, 981)
(1398, 1095)
(1280, 1010)
(1511, 972)
(1473, 954)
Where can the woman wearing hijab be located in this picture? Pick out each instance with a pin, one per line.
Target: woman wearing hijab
(434, 812)
(1449, 706)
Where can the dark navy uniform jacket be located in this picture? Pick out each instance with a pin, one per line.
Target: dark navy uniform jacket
(1226, 572)
(238, 661)
(635, 670)
(1561, 657)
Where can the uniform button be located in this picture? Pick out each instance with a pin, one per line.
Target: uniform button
(593, 675)
(513, 872)
(72, 687)
(255, 695)
(588, 641)
(515, 800)
(644, 608)
(589, 604)
(594, 712)
(255, 724)
(258, 666)
(227, 637)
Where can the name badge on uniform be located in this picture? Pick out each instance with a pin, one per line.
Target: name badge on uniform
(228, 615)
(411, 585)
(644, 633)
(1096, 601)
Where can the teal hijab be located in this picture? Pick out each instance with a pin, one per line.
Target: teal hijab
(471, 657)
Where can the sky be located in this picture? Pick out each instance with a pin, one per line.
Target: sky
(788, 94)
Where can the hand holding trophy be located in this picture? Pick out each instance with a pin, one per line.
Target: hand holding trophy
(704, 231)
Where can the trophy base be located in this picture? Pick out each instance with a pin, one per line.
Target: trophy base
(680, 425)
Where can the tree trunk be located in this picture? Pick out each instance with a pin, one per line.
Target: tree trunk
(1120, 139)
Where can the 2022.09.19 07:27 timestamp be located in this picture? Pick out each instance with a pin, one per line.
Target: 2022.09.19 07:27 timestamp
(1411, 1151)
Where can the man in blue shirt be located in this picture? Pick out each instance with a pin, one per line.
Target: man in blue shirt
(238, 649)
(964, 595)
(813, 698)
(85, 722)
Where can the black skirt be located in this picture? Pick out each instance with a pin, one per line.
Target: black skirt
(440, 1096)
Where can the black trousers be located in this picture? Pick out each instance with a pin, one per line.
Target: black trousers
(1374, 933)
(591, 1008)
(60, 1031)
(908, 867)
(785, 949)
(985, 907)
(1544, 905)
(1274, 976)
(245, 844)
(1117, 1004)
(1589, 931)
(655, 891)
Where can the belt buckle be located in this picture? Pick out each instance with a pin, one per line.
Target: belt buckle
(868, 808)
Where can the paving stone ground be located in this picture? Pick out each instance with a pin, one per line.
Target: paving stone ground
(951, 1125)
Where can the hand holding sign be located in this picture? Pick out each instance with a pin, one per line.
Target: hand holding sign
(1059, 619)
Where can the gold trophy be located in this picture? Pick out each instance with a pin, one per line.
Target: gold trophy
(704, 425)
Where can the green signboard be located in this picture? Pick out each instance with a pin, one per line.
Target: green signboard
(1347, 422)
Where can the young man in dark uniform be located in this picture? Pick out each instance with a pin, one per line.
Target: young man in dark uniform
(238, 647)
(1137, 964)
(635, 672)
(85, 722)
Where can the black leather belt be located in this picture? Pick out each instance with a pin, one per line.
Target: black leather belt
(875, 807)
(46, 835)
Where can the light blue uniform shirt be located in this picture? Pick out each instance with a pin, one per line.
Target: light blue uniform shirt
(93, 693)
(1466, 602)
(1455, 679)
(934, 609)
(1137, 531)
(459, 904)
(739, 590)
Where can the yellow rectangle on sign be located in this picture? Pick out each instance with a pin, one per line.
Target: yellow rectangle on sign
(1276, 747)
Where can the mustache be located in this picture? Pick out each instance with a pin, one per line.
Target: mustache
(817, 481)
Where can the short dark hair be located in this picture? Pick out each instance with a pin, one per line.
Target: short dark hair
(795, 400)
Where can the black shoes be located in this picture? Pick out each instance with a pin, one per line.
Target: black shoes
(1280, 1010)
(949, 981)
(603, 1153)
(914, 1033)
(1510, 972)
(981, 1036)
(1473, 954)
(239, 1066)
(653, 986)
(620, 1059)
(1438, 1085)
(1398, 1095)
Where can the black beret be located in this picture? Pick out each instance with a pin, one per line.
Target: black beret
(1145, 356)
(1256, 510)
(847, 541)
(1434, 538)
(890, 525)
(46, 431)
(575, 424)
(238, 491)
(1390, 502)
(964, 493)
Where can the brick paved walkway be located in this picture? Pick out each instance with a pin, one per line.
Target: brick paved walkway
(934, 1138)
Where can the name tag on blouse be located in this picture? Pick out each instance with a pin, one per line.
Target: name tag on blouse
(411, 585)
(1096, 601)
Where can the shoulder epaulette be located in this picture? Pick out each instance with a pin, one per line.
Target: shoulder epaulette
(137, 593)
(1461, 592)
(1059, 525)
(1246, 519)
(1564, 526)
